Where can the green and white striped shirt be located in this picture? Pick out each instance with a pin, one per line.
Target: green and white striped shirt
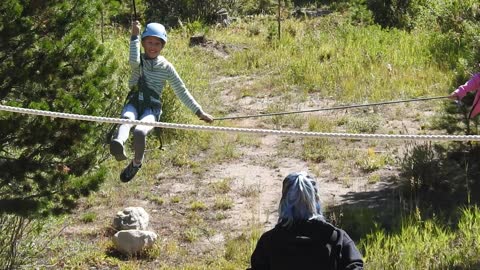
(157, 73)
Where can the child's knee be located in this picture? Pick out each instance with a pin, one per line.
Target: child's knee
(139, 133)
(129, 116)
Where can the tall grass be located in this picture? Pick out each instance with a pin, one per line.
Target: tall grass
(349, 63)
(426, 244)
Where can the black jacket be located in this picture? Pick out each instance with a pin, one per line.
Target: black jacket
(313, 244)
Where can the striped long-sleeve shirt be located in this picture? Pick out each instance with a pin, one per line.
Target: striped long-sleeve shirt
(157, 73)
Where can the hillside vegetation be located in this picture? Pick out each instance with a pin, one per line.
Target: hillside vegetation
(426, 216)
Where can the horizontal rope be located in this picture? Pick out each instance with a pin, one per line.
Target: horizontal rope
(332, 108)
(243, 130)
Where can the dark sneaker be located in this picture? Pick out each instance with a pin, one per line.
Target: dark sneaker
(117, 150)
(129, 172)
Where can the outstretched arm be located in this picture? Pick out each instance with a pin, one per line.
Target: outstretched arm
(471, 85)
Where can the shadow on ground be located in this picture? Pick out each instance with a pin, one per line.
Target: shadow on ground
(434, 182)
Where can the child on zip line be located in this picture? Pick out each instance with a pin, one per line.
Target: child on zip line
(150, 73)
(473, 84)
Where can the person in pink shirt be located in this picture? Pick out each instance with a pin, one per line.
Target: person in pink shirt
(471, 85)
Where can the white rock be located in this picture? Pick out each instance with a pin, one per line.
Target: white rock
(131, 242)
(131, 218)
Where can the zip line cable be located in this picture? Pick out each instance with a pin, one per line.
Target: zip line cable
(134, 11)
(331, 108)
(243, 130)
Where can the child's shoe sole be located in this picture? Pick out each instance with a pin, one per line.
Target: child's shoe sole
(129, 172)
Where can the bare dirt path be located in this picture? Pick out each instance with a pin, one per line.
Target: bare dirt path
(249, 173)
(262, 168)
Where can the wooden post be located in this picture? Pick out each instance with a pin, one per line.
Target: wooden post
(279, 17)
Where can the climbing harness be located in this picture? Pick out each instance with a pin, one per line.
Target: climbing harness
(244, 130)
(331, 108)
(142, 96)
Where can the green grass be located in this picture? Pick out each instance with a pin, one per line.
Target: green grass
(223, 186)
(157, 199)
(88, 217)
(346, 62)
(197, 206)
(223, 203)
(326, 57)
(371, 161)
(427, 244)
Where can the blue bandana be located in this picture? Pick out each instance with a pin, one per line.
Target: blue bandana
(300, 201)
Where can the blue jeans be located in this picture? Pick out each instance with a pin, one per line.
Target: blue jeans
(140, 132)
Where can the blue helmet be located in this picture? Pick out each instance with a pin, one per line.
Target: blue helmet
(155, 30)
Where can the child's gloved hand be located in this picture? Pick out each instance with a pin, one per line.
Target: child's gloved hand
(204, 116)
(136, 28)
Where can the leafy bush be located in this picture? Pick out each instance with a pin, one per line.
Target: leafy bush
(395, 13)
(368, 124)
(171, 12)
(421, 166)
(439, 177)
(457, 44)
(251, 7)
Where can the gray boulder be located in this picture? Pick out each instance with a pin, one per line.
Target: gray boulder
(131, 218)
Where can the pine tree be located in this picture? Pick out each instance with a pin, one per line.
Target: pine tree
(51, 58)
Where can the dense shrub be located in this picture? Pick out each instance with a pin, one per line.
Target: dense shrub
(171, 12)
(48, 62)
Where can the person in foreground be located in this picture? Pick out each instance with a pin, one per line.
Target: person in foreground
(302, 239)
(150, 73)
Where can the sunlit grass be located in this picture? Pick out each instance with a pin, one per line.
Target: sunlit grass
(223, 203)
(426, 244)
(88, 217)
(347, 62)
(223, 186)
(370, 160)
(326, 56)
